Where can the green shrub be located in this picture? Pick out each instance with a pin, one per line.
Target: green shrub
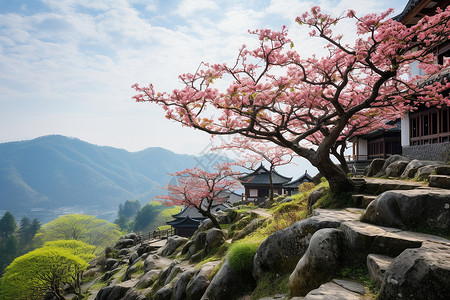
(241, 256)
(271, 284)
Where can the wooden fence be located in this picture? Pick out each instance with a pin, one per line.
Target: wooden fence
(156, 234)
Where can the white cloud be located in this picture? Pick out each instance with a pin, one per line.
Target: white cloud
(188, 7)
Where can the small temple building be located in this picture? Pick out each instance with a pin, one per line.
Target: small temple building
(291, 188)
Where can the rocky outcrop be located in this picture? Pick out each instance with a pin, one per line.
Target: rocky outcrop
(377, 266)
(439, 181)
(314, 196)
(118, 292)
(320, 261)
(335, 291)
(252, 226)
(414, 208)
(392, 159)
(281, 251)
(422, 273)
(179, 289)
(172, 244)
(414, 165)
(229, 284)
(375, 167)
(200, 281)
(214, 239)
(396, 168)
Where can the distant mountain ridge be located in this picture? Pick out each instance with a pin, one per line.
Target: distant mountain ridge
(55, 171)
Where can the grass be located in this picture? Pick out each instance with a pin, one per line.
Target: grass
(241, 256)
(359, 274)
(270, 285)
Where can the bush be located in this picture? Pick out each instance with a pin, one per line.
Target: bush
(306, 187)
(241, 256)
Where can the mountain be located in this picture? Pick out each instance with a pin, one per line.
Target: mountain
(55, 174)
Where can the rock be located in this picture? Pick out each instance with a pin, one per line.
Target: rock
(173, 273)
(124, 243)
(255, 224)
(410, 209)
(205, 225)
(377, 266)
(199, 241)
(440, 181)
(375, 167)
(144, 248)
(388, 162)
(118, 292)
(214, 239)
(414, 165)
(123, 252)
(110, 263)
(314, 196)
(179, 289)
(186, 247)
(133, 257)
(424, 172)
(397, 168)
(164, 293)
(422, 273)
(332, 291)
(229, 284)
(149, 264)
(165, 273)
(443, 170)
(172, 244)
(351, 286)
(147, 279)
(200, 281)
(280, 252)
(131, 236)
(320, 261)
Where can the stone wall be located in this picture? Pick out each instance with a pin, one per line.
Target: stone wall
(428, 152)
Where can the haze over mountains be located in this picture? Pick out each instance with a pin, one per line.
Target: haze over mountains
(51, 175)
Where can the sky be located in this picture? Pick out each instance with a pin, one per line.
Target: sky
(67, 66)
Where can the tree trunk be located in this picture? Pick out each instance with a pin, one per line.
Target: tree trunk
(271, 186)
(213, 219)
(337, 178)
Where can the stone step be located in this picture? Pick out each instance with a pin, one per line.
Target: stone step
(337, 289)
(377, 265)
(362, 201)
(439, 181)
(443, 170)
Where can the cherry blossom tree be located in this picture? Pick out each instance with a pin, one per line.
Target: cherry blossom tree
(201, 189)
(310, 104)
(252, 153)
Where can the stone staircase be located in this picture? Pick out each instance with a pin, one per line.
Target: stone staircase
(441, 179)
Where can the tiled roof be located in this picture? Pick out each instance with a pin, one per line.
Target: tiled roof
(261, 177)
(294, 184)
(185, 222)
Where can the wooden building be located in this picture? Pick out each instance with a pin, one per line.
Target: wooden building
(257, 184)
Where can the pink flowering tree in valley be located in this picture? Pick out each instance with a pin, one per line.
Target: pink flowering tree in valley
(252, 153)
(201, 189)
(311, 105)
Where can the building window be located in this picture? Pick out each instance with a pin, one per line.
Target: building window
(430, 126)
(253, 193)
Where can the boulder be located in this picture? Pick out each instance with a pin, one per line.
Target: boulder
(147, 279)
(377, 266)
(172, 244)
(149, 264)
(439, 181)
(375, 167)
(123, 252)
(164, 293)
(133, 257)
(229, 284)
(389, 161)
(414, 165)
(124, 243)
(333, 291)
(214, 239)
(320, 261)
(421, 273)
(280, 252)
(314, 196)
(397, 168)
(255, 224)
(423, 173)
(205, 225)
(179, 288)
(200, 281)
(443, 170)
(117, 292)
(165, 273)
(110, 263)
(413, 208)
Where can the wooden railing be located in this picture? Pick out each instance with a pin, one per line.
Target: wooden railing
(156, 234)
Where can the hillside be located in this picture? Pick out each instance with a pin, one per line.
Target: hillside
(55, 174)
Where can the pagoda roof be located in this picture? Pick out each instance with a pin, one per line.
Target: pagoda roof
(416, 9)
(261, 177)
(294, 184)
(192, 212)
(185, 222)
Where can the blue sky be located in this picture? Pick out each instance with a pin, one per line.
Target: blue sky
(67, 66)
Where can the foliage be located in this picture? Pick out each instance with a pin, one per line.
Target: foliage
(78, 248)
(154, 215)
(7, 225)
(96, 232)
(332, 200)
(126, 212)
(271, 284)
(359, 273)
(241, 256)
(275, 94)
(41, 270)
(200, 189)
(306, 187)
